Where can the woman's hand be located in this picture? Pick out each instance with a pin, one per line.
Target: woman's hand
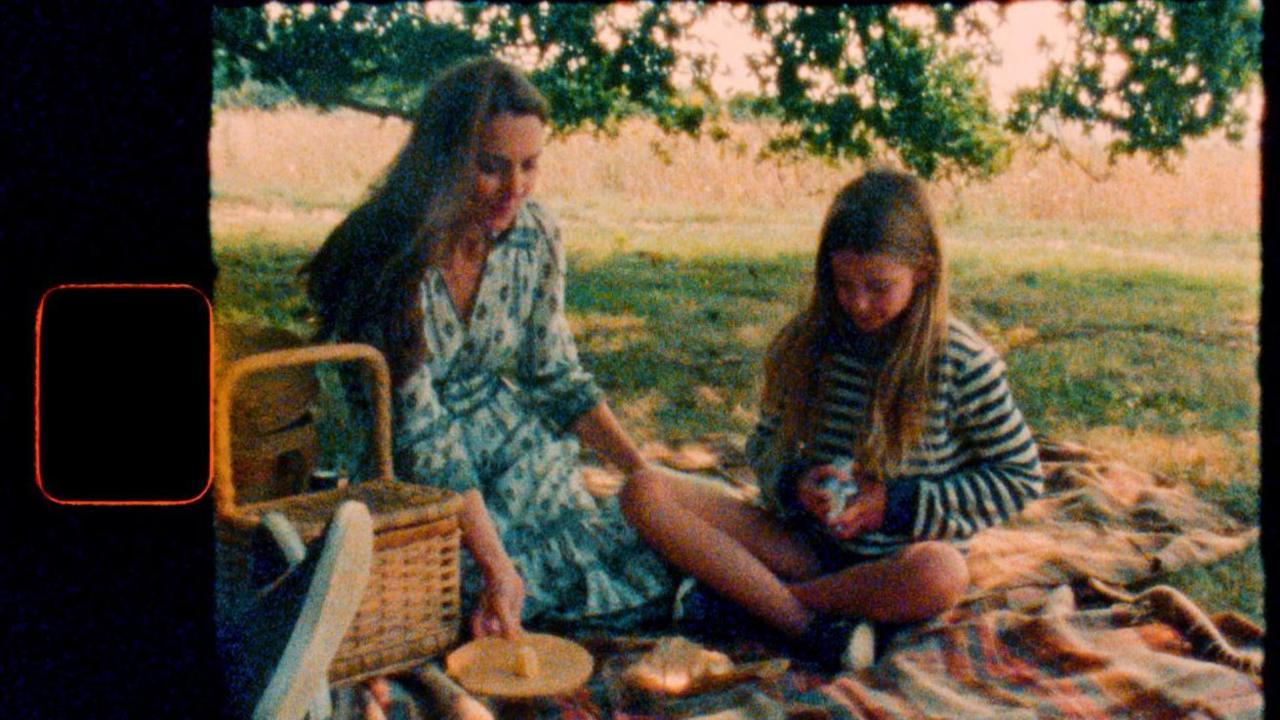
(501, 603)
(863, 514)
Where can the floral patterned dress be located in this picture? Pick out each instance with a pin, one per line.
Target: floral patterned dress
(489, 409)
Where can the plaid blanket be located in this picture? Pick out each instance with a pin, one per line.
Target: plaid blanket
(1009, 655)
(1102, 518)
(1030, 641)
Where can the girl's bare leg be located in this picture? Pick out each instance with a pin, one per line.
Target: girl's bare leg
(789, 557)
(731, 546)
(739, 551)
(917, 583)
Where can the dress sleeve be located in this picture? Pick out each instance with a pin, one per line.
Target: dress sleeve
(1003, 475)
(553, 379)
(428, 444)
(426, 440)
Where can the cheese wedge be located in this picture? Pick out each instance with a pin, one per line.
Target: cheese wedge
(526, 662)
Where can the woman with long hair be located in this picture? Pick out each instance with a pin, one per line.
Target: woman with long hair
(457, 276)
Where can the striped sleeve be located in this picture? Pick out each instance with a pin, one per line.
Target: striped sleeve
(1003, 471)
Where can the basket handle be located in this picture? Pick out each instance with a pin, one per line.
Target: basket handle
(224, 492)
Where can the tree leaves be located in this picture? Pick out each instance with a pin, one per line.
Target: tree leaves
(858, 82)
(875, 82)
(1154, 74)
(371, 58)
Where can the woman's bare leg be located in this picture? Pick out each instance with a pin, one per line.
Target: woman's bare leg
(733, 547)
(918, 583)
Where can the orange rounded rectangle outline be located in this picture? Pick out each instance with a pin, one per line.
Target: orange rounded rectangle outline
(118, 286)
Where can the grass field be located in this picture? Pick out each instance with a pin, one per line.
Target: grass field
(1127, 309)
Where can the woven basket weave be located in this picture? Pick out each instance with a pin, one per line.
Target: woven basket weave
(409, 612)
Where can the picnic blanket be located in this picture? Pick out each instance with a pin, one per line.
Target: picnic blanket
(1102, 518)
(1011, 655)
(1038, 636)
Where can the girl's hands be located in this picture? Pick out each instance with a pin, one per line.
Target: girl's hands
(863, 514)
(501, 603)
(809, 490)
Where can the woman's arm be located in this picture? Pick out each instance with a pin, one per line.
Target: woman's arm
(429, 450)
(550, 375)
(503, 597)
(600, 430)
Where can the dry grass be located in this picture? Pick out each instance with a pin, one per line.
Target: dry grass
(1214, 187)
(601, 333)
(290, 175)
(299, 157)
(1203, 459)
(669, 172)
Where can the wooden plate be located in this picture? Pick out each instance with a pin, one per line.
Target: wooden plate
(488, 666)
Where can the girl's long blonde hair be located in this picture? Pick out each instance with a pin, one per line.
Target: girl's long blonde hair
(882, 212)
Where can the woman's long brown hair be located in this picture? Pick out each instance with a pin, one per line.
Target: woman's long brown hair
(881, 212)
(364, 281)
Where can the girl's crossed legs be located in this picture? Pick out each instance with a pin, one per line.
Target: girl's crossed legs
(743, 553)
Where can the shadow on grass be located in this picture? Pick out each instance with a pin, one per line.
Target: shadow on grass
(682, 340)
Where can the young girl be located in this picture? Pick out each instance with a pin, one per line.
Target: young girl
(873, 384)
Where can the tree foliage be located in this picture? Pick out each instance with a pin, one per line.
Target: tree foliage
(373, 58)
(1154, 74)
(842, 81)
(849, 78)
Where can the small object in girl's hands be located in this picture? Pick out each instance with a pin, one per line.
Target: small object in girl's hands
(839, 493)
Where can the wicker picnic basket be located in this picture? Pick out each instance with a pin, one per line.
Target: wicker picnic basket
(410, 611)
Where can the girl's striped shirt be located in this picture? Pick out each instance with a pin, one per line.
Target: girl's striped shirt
(976, 465)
